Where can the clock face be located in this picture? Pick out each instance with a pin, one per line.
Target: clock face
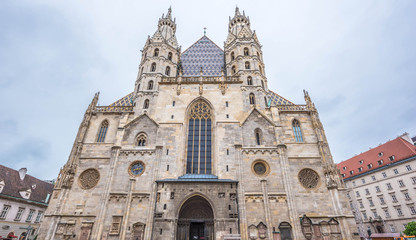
(137, 168)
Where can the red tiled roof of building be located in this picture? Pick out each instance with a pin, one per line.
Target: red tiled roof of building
(397, 149)
(13, 185)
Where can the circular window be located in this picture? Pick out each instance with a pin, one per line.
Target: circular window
(89, 178)
(260, 168)
(136, 168)
(308, 178)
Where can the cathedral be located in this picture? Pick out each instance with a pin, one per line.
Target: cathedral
(201, 149)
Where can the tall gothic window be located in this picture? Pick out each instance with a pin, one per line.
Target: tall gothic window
(296, 131)
(249, 80)
(167, 71)
(141, 140)
(257, 133)
(252, 98)
(156, 52)
(170, 56)
(233, 70)
(245, 51)
(146, 104)
(262, 83)
(232, 56)
(247, 65)
(103, 131)
(198, 160)
(153, 67)
(150, 85)
(261, 70)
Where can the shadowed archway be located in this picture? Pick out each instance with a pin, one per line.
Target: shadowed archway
(196, 220)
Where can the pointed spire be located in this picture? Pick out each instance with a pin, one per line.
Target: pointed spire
(169, 13)
(237, 11)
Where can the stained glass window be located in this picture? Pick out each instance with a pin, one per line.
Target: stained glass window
(103, 131)
(296, 131)
(198, 156)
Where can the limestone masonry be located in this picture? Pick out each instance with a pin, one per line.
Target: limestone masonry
(201, 149)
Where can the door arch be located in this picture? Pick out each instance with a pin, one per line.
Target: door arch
(195, 220)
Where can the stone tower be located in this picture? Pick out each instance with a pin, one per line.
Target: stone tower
(201, 149)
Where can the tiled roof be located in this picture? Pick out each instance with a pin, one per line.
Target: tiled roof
(124, 101)
(399, 148)
(203, 53)
(13, 185)
(276, 99)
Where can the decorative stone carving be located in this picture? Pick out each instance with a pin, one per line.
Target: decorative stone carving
(308, 178)
(89, 178)
(262, 229)
(233, 196)
(252, 231)
(115, 225)
(221, 195)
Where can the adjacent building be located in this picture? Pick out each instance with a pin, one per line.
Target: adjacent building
(201, 149)
(381, 186)
(23, 201)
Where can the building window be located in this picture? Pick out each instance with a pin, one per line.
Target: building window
(103, 131)
(393, 198)
(170, 56)
(247, 65)
(257, 132)
(384, 174)
(389, 186)
(115, 225)
(141, 140)
(391, 158)
(173, 103)
(380, 162)
(399, 211)
(362, 179)
(156, 53)
(367, 192)
(249, 80)
(409, 168)
(226, 104)
(29, 217)
(232, 56)
(262, 84)
(396, 171)
(365, 215)
(167, 71)
(233, 70)
(401, 183)
(199, 139)
(38, 216)
(392, 228)
(370, 166)
(361, 161)
(375, 214)
(150, 85)
(414, 180)
(348, 195)
(153, 67)
(378, 189)
(19, 214)
(412, 210)
(296, 130)
(373, 178)
(357, 193)
(246, 53)
(252, 99)
(406, 196)
(344, 168)
(343, 175)
(351, 172)
(4, 212)
(380, 154)
(386, 212)
(360, 169)
(382, 202)
(146, 104)
(361, 204)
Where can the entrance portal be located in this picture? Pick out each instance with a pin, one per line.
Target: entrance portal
(196, 220)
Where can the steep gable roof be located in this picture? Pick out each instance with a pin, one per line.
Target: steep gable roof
(399, 148)
(13, 185)
(276, 99)
(124, 101)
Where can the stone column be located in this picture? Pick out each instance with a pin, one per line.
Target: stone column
(267, 207)
(293, 213)
(127, 209)
(97, 233)
(241, 197)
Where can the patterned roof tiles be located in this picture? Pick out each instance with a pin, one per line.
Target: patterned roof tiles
(204, 54)
(124, 101)
(276, 99)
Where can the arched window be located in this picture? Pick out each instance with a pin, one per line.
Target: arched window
(142, 70)
(252, 99)
(247, 65)
(150, 85)
(141, 140)
(296, 131)
(249, 80)
(261, 70)
(285, 230)
(198, 156)
(265, 102)
(233, 70)
(246, 52)
(146, 104)
(258, 136)
(138, 87)
(232, 56)
(153, 67)
(167, 71)
(258, 55)
(103, 131)
(156, 52)
(170, 56)
(262, 83)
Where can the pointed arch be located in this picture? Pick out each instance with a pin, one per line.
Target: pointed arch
(156, 52)
(246, 52)
(247, 65)
(233, 70)
(146, 104)
(252, 99)
(141, 139)
(199, 138)
(103, 131)
(249, 80)
(232, 56)
(297, 131)
(150, 85)
(170, 56)
(153, 67)
(167, 71)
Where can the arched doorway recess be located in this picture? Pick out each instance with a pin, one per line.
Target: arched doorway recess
(195, 220)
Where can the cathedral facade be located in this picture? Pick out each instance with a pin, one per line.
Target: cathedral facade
(201, 149)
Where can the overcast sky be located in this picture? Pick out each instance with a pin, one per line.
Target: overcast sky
(357, 59)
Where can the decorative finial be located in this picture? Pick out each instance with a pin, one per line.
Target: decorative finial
(205, 31)
(169, 13)
(237, 11)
